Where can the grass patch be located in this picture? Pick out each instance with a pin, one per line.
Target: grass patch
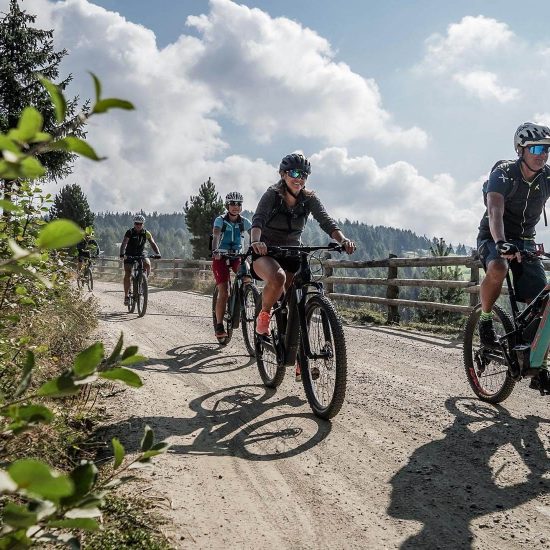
(129, 522)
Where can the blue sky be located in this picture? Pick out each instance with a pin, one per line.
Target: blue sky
(401, 106)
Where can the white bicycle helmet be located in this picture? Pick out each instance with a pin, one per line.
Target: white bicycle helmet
(531, 134)
(138, 218)
(233, 196)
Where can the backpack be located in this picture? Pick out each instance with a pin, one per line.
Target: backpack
(511, 170)
(241, 229)
(280, 207)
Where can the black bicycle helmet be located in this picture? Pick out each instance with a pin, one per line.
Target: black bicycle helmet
(295, 161)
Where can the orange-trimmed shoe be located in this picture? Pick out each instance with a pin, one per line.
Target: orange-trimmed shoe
(262, 323)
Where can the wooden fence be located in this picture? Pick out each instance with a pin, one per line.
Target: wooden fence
(171, 269)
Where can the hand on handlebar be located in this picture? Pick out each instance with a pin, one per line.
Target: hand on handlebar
(508, 250)
(259, 248)
(349, 246)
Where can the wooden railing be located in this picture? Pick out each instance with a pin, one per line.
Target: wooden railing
(171, 269)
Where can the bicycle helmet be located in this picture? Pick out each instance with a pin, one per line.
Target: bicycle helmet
(295, 161)
(138, 218)
(531, 134)
(233, 196)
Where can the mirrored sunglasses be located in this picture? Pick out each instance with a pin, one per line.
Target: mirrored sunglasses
(538, 149)
(235, 203)
(298, 174)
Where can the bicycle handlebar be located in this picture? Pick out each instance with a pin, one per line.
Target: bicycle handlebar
(141, 256)
(300, 249)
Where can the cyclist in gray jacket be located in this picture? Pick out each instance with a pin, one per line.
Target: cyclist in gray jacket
(279, 220)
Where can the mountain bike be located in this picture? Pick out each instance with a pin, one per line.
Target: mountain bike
(84, 276)
(524, 338)
(139, 289)
(305, 330)
(243, 303)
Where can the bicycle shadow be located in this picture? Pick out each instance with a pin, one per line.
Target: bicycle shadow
(117, 316)
(450, 483)
(227, 423)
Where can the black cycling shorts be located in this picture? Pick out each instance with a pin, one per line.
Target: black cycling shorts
(288, 263)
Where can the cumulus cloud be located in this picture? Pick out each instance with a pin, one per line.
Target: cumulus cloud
(466, 53)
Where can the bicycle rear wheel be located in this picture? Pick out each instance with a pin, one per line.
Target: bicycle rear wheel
(227, 320)
(487, 370)
(142, 295)
(89, 279)
(133, 295)
(271, 373)
(250, 309)
(324, 377)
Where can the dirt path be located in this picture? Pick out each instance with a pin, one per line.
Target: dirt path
(412, 461)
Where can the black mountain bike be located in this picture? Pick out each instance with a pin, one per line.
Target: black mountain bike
(139, 289)
(305, 327)
(243, 303)
(523, 338)
(85, 277)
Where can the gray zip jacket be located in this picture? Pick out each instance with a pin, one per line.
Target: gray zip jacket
(282, 225)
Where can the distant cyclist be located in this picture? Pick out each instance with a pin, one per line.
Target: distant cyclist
(279, 220)
(516, 194)
(86, 248)
(133, 244)
(228, 234)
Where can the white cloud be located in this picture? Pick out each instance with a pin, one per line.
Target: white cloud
(542, 118)
(485, 85)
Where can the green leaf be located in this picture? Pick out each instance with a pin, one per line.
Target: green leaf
(86, 524)
(103, 105)
(133, 359)
(83, 477)
(30, 122)
(75, 145)
(116, 352)
(87, 361)
(59, 234)
(155, 450)
(18, 516)
(36, 478)
(129, 377)
(148, 438)
(21, 290)
(41, 137)
(59, 387)
(118, 451)
(31, 168)
(7, 144)
(7, 485)
(8, 206)
(129, 351)
(27, 374)
(97, 86)
(18, 252)
(57, 98)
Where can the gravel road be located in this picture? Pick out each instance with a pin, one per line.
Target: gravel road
(411, 461)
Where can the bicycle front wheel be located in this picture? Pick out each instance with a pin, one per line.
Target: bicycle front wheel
(89, 279)
(324, 376)
(133, 295)
(227, 320)
(250, 308)
(271, 372)
(487, 370)
(142, 295)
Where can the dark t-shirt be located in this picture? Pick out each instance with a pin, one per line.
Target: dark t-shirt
(522, 211)
(136, 241)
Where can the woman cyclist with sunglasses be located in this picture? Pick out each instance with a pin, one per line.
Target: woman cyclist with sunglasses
(279, 220)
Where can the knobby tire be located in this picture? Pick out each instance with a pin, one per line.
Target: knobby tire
(142, 296)
(251, 306)
(133, 295)
(491, 381)
(325, 392)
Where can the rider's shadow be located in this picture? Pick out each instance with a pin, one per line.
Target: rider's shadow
(227, 423)
(451, 482)
(204, 358)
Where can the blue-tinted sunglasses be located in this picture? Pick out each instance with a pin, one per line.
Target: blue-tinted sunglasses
(298, 174)
(538, 149)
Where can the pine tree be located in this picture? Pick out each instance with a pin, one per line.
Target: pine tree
(25, 53)
(71, 203)
(200, 212)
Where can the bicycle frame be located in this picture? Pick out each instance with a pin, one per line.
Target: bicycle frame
(235, 300)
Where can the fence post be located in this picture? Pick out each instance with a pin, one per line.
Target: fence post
(474, 278)
(328, 272)
(392, 292)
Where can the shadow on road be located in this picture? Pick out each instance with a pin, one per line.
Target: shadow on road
(227, 423)
(449, 483)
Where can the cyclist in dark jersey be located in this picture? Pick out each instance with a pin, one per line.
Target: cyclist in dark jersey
(508, 225)
(86, 248)
(279, 220)
(133, 244)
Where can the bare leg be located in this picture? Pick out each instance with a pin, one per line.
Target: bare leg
(275, 278)
(221, 303)
(127, 271)
(491, 286)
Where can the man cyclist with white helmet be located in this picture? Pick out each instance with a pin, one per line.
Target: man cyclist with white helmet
(133, 244)
(516, 194)
(227, 235)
